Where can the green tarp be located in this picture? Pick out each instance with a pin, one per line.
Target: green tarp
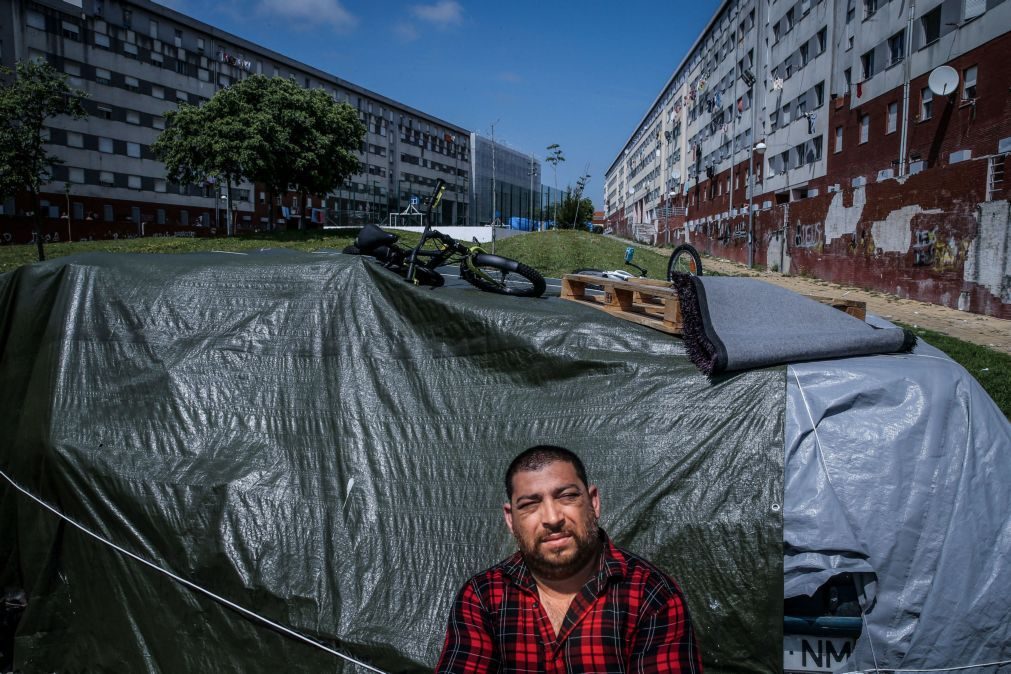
(313, 439)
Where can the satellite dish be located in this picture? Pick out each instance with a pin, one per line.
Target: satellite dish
(943, 81)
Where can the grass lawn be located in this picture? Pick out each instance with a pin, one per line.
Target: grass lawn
(553, 253)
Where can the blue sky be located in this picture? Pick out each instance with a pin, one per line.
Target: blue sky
(580, 74)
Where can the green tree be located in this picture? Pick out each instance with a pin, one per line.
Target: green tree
(574, 210)
(36, 93)
(554, 157)
(267, 130)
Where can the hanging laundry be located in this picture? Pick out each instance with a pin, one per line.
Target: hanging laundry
(719, 100)
(740, 104)
(811, 116)
(777, 84)
(860, 89)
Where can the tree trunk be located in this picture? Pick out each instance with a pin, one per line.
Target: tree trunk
(37, 228)
(301, 210)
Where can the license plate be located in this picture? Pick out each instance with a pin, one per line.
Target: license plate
(803, 653)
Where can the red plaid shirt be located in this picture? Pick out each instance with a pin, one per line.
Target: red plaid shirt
(630, 617)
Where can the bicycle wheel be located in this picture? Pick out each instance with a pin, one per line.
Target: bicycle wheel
(501, 275)
(684, 260)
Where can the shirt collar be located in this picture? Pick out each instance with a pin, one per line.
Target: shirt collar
(613, 564)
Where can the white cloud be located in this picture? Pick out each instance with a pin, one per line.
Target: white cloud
(405, 31)
(443, 13)
(311, 12)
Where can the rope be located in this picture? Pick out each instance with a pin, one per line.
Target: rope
(230, 604)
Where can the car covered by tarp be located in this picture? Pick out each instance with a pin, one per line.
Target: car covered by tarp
(220, 462)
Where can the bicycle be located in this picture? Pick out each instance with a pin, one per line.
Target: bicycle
(685, 259)
(487, 272)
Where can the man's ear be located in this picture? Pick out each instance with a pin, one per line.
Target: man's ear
(594, 500)
(507, 513)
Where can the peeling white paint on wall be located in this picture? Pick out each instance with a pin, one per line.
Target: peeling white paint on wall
(893, 235)
(841, 219)
(988, 260)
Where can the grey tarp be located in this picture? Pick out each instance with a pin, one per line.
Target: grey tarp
(323, 444)
(899, 466)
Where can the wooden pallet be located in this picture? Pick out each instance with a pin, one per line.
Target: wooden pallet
(648, 302)
(654, 303)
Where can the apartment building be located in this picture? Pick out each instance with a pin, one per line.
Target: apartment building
(809, 135)
(506, 182)
(137, 60)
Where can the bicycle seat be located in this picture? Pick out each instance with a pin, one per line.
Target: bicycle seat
(372, 236)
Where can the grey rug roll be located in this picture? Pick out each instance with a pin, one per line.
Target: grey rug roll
(733, 323)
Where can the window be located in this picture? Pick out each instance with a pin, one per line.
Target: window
(133, 182)
(867, 65)
(160, 185)
(893, 117)
(74, 139)
(804, 54)
(926, 103)
(865, 128)
(870, 6)
(181, 97)
(106, 178)
(133, 150)
(131, 83)
(130, 50)
(71, 31)
(75, 175)
(105, 145)
(784, 117)
(103, 111)
(930, 24)
(36, 20)
(160, 214)
(132, 117)
(152, 29)
(973, 8)
(896, 47)
(851, 10)
(103, 76)
(789, 19)
(838, 139)
(156, 58)
(157, 91)
(200, 44)
(819, 94)
(101, 40)
(178, 38)
(158, 122)
(821, 38)
(969, 83)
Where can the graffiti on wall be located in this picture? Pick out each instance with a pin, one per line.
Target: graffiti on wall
(931, 250)
(808, 236)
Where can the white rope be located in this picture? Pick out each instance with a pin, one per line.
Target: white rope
(877, 669)
(244, 611)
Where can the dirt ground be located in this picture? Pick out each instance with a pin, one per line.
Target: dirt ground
(975, 328)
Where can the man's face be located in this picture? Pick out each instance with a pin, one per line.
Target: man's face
(553, 517)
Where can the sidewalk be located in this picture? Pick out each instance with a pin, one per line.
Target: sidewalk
(978, 329)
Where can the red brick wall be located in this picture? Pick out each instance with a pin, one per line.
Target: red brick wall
(932, 266)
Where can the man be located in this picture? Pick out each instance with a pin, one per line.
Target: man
(569, 600)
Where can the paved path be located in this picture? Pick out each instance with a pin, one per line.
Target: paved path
(969, 327)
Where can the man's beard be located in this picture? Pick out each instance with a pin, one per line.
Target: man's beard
(549, 566)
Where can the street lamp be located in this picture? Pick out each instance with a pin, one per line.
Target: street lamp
(759, 148)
